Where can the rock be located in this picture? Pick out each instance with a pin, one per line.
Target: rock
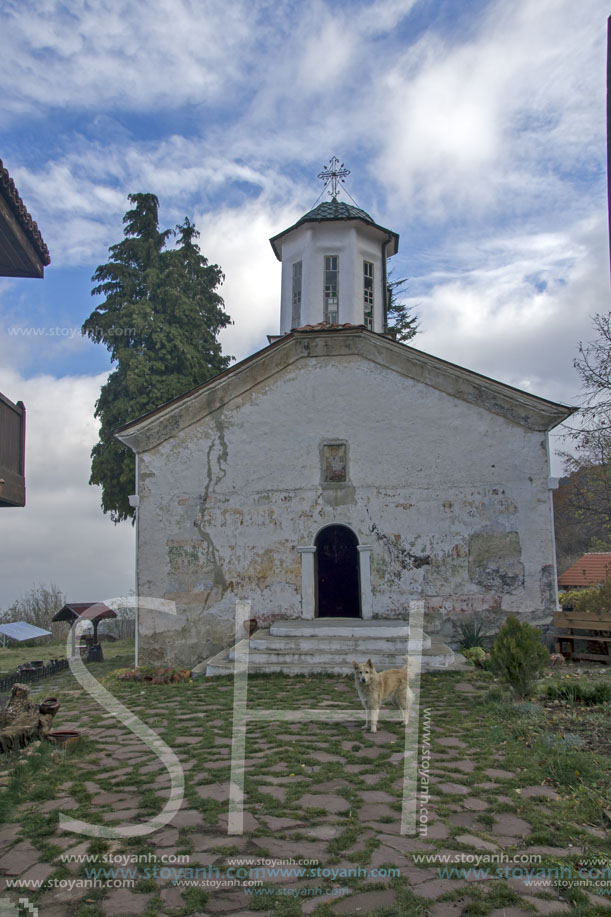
(452, 788)
(365, 902)
(326, 801)
(472, 841)
(511, 826)
(474, 804)
(528, 792)
(123, 901)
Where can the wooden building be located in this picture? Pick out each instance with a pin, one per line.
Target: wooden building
(23, 253)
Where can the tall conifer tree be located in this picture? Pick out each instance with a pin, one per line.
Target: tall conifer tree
(160, 321)
(399, 318)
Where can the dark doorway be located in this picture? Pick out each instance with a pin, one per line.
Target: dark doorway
(337, 562)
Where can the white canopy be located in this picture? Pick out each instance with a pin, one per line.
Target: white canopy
(21, 630)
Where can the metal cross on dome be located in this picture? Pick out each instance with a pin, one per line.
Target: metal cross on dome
(333, 174)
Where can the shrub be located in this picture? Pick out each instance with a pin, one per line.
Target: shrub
(593, 600)
(518, 655)
(527, 709)
(566, 740)
(472, 634)
(579, 692)
(476, 655)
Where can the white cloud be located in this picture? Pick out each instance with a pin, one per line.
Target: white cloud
(479, 124)
(128, 53)
(135, 55)
(519, 314)
(326, 56)
(491, 126)
(79, 200)
(61, 535)
(238, 240)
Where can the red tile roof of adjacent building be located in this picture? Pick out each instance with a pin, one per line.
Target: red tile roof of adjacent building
(587, 571)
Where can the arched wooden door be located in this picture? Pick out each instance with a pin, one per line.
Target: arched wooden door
(337, 573)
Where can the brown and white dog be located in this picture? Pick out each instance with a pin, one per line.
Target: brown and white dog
(375, 688)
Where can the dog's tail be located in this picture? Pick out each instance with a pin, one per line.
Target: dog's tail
(411, 674)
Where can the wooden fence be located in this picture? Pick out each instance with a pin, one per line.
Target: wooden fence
(35, 674)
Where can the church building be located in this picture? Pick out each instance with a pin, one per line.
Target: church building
(340, 474)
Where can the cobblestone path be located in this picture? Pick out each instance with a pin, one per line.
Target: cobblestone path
(322, 794)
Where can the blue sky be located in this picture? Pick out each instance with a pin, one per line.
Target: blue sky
(474, 129)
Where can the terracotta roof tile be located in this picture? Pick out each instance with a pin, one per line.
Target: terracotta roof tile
(587, 571)
(10, 193)
(326, 326)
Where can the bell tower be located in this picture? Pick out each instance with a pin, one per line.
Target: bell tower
(334, 264)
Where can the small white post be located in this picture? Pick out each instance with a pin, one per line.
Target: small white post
(308, 589)
(134, 501)
(365, 551)
(235, 822)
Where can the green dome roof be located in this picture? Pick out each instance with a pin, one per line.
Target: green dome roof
(334, 210)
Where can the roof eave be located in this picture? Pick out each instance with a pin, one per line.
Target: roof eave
(515, 405)
(390, 234)
(24, 252)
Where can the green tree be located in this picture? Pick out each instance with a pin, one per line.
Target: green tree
(589, 467)
(518, 655)
(399, 317)
(580, 522)
(591, 600)
(160, 320)
(37, 606)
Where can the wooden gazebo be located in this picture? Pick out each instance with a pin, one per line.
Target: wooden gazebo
(85, 611)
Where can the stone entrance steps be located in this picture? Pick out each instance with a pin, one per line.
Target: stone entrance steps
(327, 645)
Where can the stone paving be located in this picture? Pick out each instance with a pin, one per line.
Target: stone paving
(324, 792)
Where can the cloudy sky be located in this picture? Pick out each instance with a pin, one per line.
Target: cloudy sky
(474, 128)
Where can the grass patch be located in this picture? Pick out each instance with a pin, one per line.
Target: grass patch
(195, 899)
(574, 691)
(145, 886)
(483, 899)
(89, 909)
(11, 657)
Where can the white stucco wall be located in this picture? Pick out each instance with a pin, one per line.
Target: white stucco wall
(451, 498)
